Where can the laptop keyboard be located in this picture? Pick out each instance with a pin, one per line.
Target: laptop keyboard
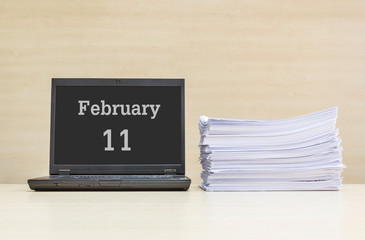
(120, 177)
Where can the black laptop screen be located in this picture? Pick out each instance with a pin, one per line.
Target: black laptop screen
(117, 125)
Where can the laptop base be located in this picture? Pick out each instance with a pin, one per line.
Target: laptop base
(110, 182)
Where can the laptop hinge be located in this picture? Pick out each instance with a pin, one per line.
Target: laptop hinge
(170, 171)
(64, 171)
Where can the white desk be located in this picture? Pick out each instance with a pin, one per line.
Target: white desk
(195, 214)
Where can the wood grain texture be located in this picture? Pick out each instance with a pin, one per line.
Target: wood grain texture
(195, 214)
(241, 59)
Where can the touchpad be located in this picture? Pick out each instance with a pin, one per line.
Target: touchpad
(111, 183)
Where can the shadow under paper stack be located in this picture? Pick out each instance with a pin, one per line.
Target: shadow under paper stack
(301, 153)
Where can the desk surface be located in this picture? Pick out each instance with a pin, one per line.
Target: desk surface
(195, 214)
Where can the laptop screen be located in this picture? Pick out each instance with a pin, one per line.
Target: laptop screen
(124, 124)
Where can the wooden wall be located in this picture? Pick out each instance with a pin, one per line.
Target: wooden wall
(241, 59)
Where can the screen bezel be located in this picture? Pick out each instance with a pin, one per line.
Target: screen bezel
(116, 168)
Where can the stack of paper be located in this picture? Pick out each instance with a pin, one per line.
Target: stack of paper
(300, 153)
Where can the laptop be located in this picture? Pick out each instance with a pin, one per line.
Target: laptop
(116, 134)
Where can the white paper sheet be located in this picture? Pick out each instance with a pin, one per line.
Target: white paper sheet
(300, 153)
